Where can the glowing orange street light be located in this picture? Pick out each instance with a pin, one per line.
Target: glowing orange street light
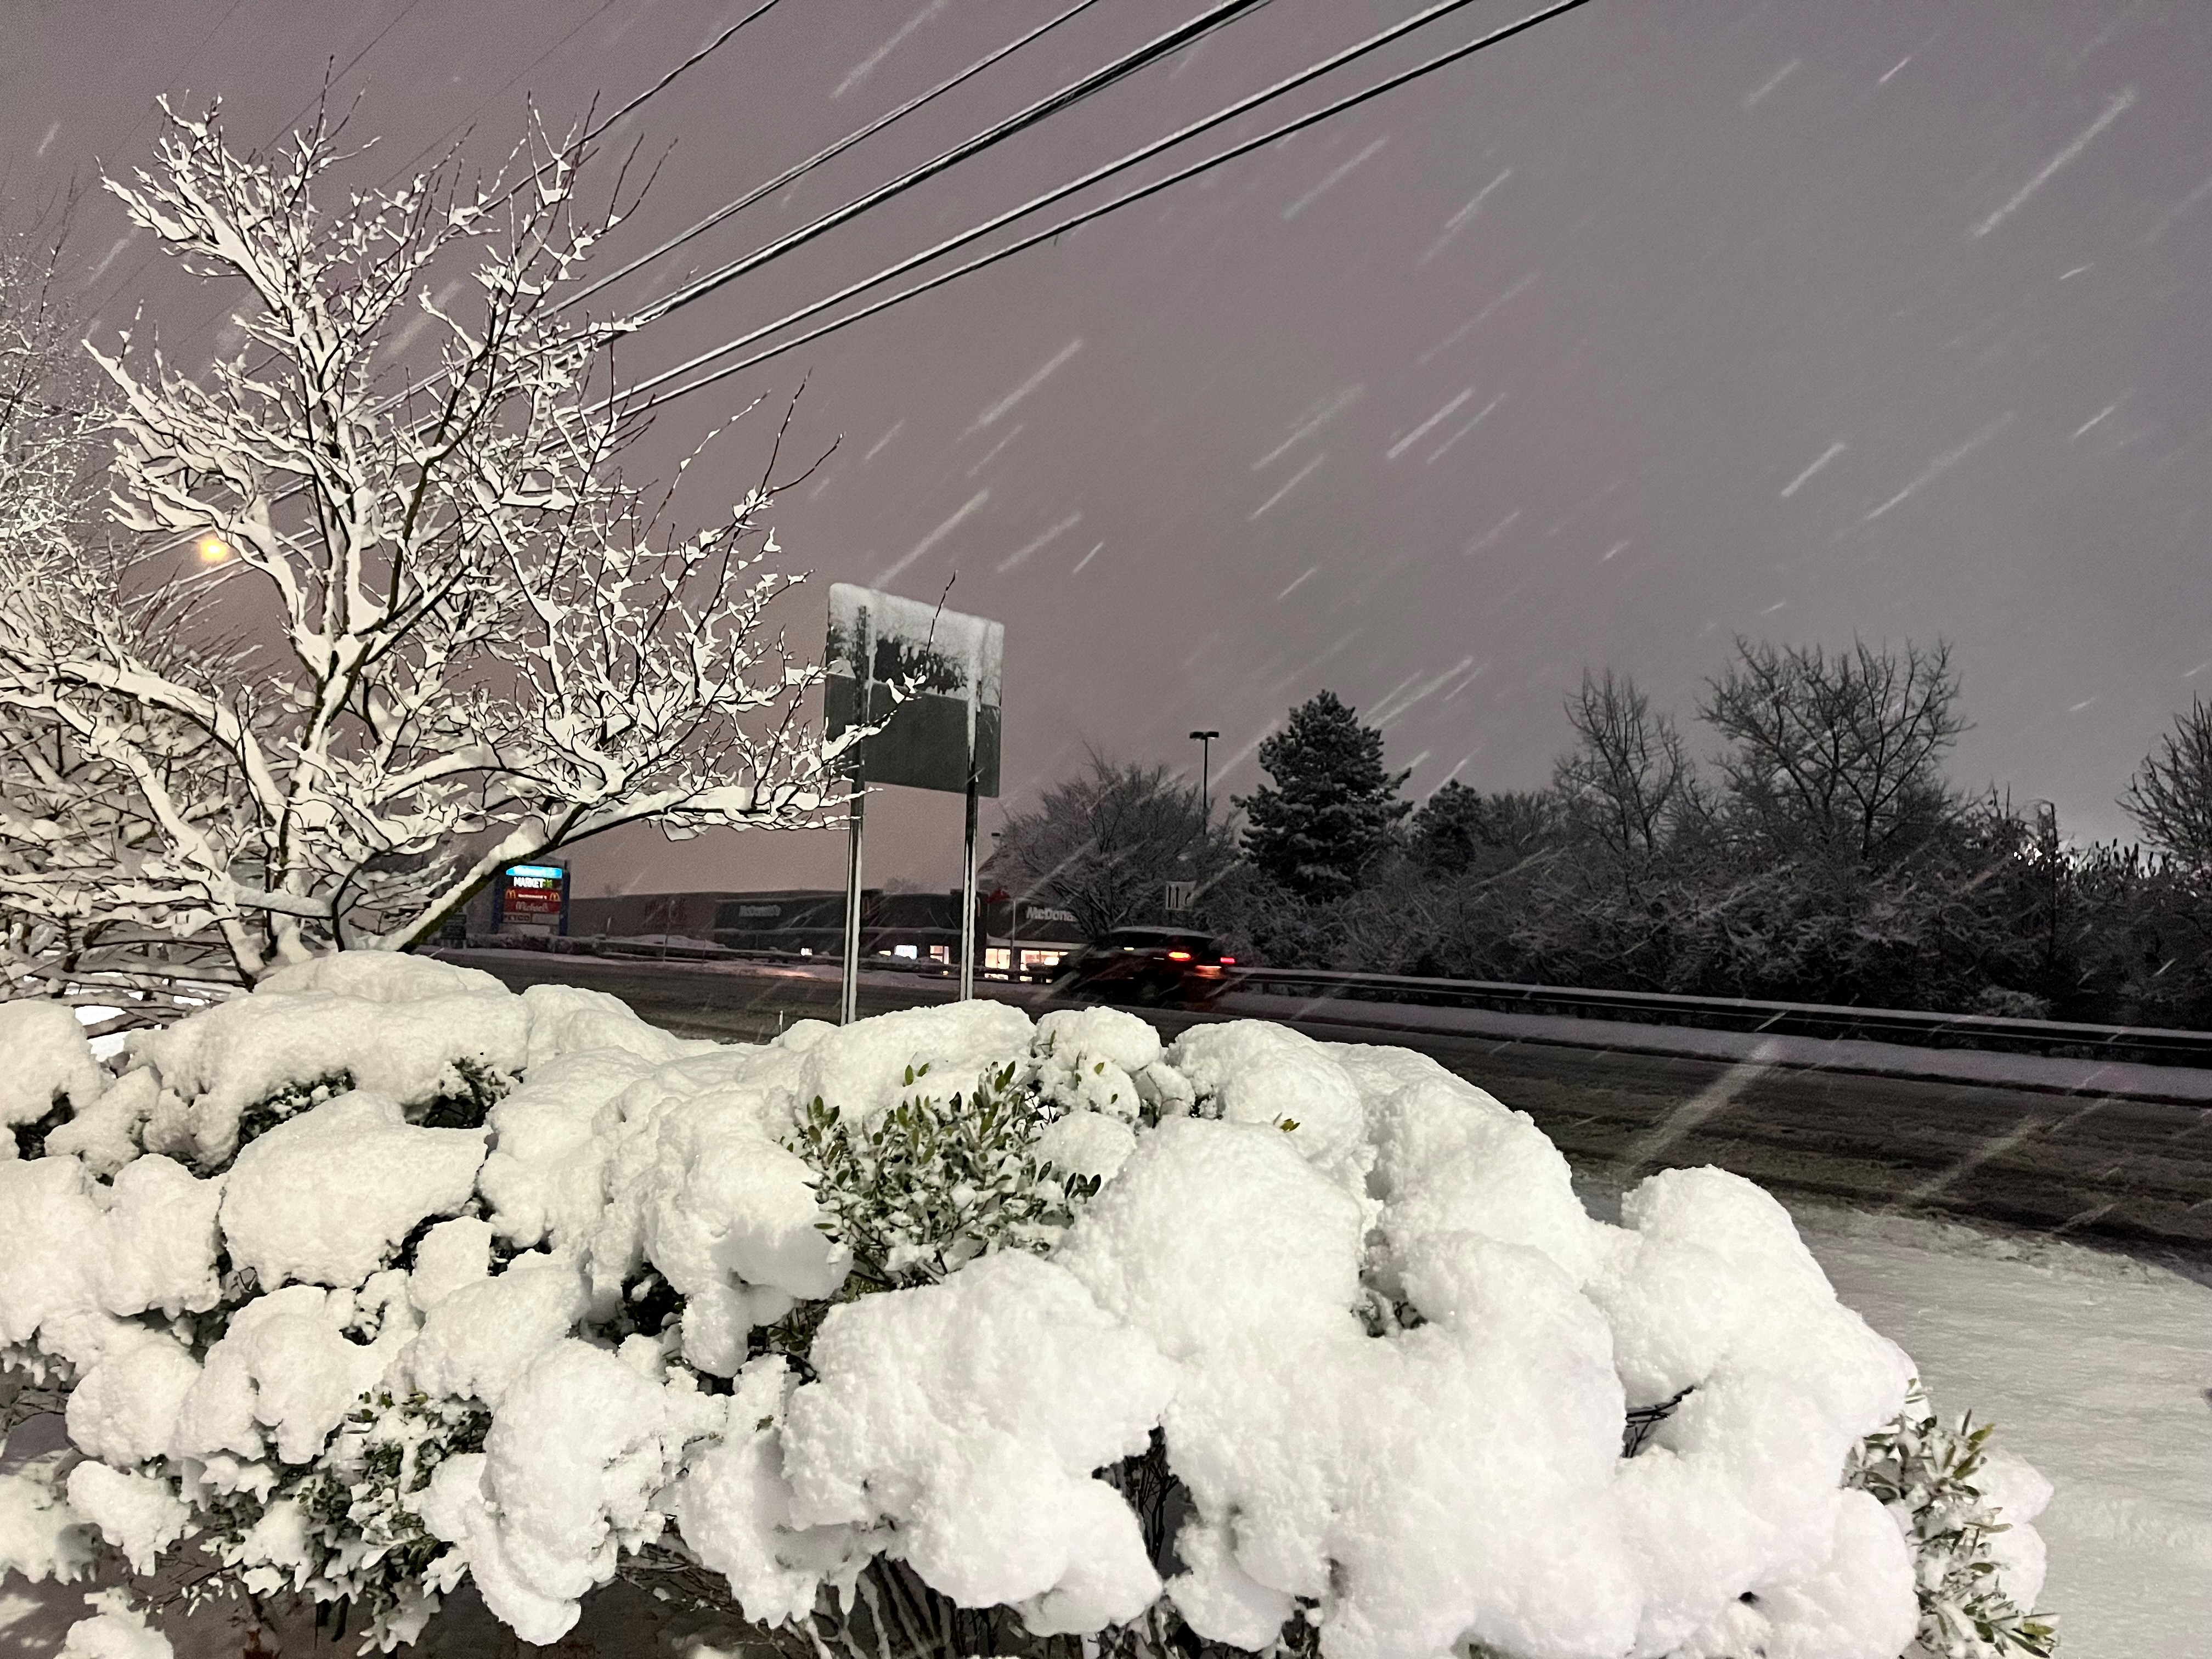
(213, 549)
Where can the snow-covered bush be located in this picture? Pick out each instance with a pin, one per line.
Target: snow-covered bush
(939, 1334)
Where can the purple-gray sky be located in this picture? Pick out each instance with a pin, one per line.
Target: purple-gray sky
(1673, 320)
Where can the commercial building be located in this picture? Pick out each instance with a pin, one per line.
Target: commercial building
(812, 921)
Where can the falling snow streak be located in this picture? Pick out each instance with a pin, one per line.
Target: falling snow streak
(862, 70)
(1427, 426)
(2174, 214)
(1005, 405)
(1336, 175)
(1891, 73)
(1311, 571)
(1801, 480)
(1437, 454)
(1458, 222)
(1296, 478)
(1087, 559)
(2113, 110)
(1708, 1102)
(2093, 421)
(876, 448)
(1752, 100)
(1021, 555)
(1488, 539)
(1942, 463)
(974, 505)
(1997, 1147)
(1323, 414)
(1475, 321)
(992, 453)
(1392, 708)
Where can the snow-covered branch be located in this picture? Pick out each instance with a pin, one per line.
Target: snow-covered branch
(460, 636)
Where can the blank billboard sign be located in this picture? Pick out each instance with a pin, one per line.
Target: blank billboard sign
(948, 722)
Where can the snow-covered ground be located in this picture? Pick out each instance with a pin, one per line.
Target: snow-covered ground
(2096, 1367)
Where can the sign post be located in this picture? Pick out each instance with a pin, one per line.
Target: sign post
(928, 680)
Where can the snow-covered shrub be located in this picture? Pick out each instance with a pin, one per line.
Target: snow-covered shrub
(1965, 1509)
(939, 1334)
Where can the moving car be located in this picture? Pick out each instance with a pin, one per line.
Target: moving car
(1152, 966)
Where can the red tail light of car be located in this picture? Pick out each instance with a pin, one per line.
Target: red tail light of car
(1178, 955)
(1228, 962)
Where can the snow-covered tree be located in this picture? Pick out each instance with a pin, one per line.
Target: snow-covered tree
(936, 1335)
(1837, 755)
(1330, 808)
(1106, 842)
(422, 626)
(2169, 797)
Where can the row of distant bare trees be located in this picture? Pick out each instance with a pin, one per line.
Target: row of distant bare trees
(1822, 854)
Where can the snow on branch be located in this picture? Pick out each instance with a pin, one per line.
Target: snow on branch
(441, 630)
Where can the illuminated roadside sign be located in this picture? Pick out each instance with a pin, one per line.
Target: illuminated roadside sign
(531, 898)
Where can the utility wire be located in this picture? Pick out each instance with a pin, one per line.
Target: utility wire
(1204, 23)
(1245, 148)
(1144, 152)
(831, 152)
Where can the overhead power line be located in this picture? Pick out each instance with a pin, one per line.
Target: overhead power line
(1074, 93)
(1144, 152)
(1204, 23)
(798, 170)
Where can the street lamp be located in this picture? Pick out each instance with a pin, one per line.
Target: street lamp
(1204, 741)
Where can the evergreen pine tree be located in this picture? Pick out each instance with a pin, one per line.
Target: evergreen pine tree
(1332, 807)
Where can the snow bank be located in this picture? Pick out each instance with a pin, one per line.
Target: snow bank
(1239, 1331)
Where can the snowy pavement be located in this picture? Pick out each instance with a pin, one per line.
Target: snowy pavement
(2096, 1367)
(2049, 1073)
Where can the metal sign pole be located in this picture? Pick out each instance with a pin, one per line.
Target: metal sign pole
(968, 898)
(848, 1004)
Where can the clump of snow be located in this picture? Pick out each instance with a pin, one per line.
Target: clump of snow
(1251, 1072)
(1091, 1058)
(324, 1196)
(41, 1536)
(478, 1338)
(2018, 1492)
(124, 1409)
(105, 1135)
(138, 1514)
(863, 1068)
(115, 1630)
(580, 1449)
(970, 1414)
(410, 1029)
(49, 1061)
(81, 1255)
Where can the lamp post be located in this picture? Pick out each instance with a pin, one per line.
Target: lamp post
(1013, 924)
(1204, 741)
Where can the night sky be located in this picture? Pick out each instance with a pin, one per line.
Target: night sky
(1672, 321)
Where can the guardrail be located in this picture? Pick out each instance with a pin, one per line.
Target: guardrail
(2140, 1044)
(624, 950)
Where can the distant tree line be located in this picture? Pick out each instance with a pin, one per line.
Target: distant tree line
(1821, 856)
